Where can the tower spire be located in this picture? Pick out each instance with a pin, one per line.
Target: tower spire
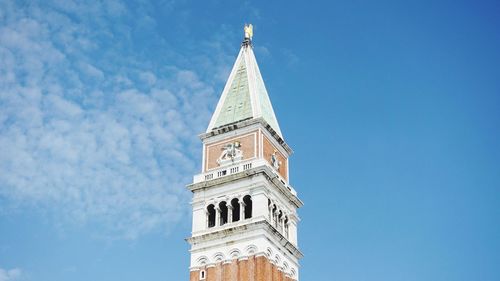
(244, 96)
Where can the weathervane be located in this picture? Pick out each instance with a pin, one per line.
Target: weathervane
(248, 31)
(248, 35)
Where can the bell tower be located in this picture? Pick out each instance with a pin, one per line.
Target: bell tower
(244, 209)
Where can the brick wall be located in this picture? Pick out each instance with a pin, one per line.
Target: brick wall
(269, 150)
(248, 147)
(252, 269)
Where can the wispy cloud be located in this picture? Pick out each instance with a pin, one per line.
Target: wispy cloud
(88, 134)
(251, 10)
(290, 57)
(10, 274)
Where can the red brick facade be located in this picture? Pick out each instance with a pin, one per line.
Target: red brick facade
(269, 149)
(252, 269)
(249, 146)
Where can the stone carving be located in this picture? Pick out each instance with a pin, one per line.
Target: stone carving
(274, 160)
(231, 152)
(248, 31)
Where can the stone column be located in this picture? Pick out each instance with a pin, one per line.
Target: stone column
(207, 221)
(229, 213)
(242, 209)
(217, 215)
(292, 235)
(270, 210)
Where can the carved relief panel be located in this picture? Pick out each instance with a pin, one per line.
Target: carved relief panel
(245, 147)
(231, 151)
(275, 158)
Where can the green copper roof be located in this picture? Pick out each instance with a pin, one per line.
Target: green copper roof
(237, 105)
(265, 103)
(245, 95)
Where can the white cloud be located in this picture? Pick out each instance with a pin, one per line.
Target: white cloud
(262, 50)
(94, 139)
(148, 77)
(252, 12)
(290, 57)
(91, 70)
(10, 275)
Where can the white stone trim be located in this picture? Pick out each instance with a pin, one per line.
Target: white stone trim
(281, 261)
(252, 239)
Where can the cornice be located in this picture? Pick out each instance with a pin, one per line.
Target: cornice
(245, 123)
(265, 171)
(276, 236)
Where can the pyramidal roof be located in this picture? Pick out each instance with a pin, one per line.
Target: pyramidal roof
(245, 95)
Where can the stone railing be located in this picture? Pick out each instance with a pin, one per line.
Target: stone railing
(238, 167)
(229, 170)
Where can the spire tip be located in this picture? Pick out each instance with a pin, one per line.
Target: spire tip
(248, 34)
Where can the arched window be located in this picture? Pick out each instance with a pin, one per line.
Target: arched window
(211, 215)
(248, 206)
(236, 209)
(203, 275)
(280, 221)
(223, 213)
(270, 210)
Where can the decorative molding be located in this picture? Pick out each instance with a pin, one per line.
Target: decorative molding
(202, 261)
(266, 171)
(226, 198)
(245, 123)
(219, 257)
(262, 224)
(281, 265)
(269, 253)
(234, 254)
(251, 250)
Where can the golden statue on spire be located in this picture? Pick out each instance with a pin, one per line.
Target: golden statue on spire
(248, 31)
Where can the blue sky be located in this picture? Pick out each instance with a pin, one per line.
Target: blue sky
(392, 109)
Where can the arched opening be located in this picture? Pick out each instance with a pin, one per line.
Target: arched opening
(235, 203)
(203, 275)
(270, 210)
(211, 215)
(223, 213)
(280, 221)
(248, 206)
(286, 227)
